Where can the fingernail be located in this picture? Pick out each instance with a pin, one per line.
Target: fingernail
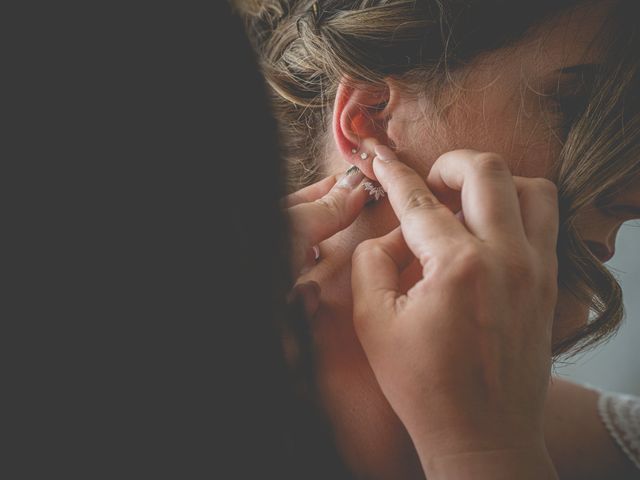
(384, 153)
(316, 252)
(351, 179)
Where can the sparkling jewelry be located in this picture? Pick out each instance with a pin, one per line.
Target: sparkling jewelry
(354, 150)
(364, 155)
(375, 190)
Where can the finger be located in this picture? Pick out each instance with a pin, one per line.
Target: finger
(427, 224)
(313, 222)
(540, 213)
(487, 192)
(308, 293)
(311, 193)
(375, 278)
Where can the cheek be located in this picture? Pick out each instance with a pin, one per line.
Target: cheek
(570, 315)
(487, 123)
(511, 123)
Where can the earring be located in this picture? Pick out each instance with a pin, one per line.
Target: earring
(363, 155)
(375, 189)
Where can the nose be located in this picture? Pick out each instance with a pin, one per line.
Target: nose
(599, 225)
(622, 210)
(599, 230)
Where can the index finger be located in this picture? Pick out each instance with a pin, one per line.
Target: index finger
(427, 224)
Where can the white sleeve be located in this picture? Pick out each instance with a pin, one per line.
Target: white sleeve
(621, 415)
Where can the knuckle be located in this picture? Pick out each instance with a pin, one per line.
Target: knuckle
(445, 158)
(490, 162)
(470, 265)
(475, 265)
(546, 187)
(421, 199)
(456, 155)
(334, 208)
(545, 184)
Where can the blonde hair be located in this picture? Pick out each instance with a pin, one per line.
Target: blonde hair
(306, 48)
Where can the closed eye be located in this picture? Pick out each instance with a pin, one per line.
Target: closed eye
(570, 107)
(570, 96)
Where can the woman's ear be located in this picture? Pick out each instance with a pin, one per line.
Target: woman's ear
(360, 118)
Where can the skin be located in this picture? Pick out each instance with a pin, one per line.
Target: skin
(471, 401)
(499, 115)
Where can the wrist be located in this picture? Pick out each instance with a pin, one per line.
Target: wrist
(489, 447)
(521, 463)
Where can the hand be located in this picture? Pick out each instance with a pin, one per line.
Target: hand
(316, 213)
(464, 355)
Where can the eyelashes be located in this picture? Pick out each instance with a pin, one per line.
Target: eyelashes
(570, 100)
(569, 107)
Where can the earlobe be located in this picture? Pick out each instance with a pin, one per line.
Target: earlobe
(360, 122)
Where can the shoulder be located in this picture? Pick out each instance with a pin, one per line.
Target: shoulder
(579, 440)
(620, 414)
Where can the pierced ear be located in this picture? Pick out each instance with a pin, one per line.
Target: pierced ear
(360, 118)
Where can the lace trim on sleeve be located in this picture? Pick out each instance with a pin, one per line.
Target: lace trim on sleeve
(621, 415)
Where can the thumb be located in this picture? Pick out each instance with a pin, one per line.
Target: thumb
(375, 281)
(315, 221)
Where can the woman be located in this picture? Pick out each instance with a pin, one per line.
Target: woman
(549, 88)
(121, 378)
